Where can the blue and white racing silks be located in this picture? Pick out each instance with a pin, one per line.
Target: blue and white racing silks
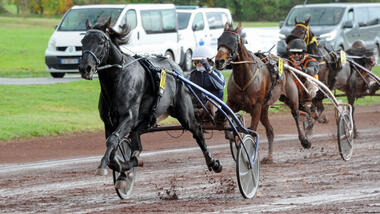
(217, 79)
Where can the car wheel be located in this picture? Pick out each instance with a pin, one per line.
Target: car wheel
(57, 75)
(169, 55)
(188, 63)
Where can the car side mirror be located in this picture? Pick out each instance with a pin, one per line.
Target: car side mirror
(348, 24)
(55, 27)
(195, 27)
(281, 24)
(123, 26)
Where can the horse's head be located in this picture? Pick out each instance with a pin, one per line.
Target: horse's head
(300, 31)
(95, 48)
(229, 44)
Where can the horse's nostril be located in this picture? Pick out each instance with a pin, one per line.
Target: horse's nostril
(88, 69)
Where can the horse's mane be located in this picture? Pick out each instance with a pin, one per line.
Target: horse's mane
(118, 38)
(122, 37)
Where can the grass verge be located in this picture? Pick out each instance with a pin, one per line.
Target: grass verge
(42, 110)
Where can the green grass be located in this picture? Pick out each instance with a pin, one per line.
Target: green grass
(22, 46)
(258, 24)
(42, 110)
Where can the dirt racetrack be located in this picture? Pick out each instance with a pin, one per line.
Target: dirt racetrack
(57, 174)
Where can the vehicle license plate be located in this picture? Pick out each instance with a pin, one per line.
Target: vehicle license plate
(70, 61)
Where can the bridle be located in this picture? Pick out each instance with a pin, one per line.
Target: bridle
(232, 52)
(307, 35)
(98, 61)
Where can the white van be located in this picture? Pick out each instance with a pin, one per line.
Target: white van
(154, 31)
(198, 27)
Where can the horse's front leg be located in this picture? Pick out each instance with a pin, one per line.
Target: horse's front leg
(184, 112)
(351, 101)
(104, 115)
(317, 109)
(270, 134)
(123, 129)
(292, 101)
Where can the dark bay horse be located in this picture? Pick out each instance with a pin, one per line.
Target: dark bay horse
(127, 95)
(251, 87)
(333, 73)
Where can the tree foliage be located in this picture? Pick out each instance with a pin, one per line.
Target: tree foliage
(242, 10)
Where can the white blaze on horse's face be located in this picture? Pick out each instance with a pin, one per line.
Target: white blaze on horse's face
(222, 57)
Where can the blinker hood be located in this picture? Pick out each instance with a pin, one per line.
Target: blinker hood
(228, 40)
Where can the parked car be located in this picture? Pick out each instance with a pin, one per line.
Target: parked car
(337, 24)
(154, 31)
(197, 27)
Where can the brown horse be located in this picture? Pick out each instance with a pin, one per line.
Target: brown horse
(332, 72)
(251, 87)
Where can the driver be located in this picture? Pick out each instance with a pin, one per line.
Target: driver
(300, 60)
(205, 75)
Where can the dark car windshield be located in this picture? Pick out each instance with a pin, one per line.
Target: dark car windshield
(183, 20)
(320, 16)
(75, 19)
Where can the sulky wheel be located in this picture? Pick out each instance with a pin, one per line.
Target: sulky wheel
(345, 135)
(248, 178)
(129, 176)
(307, 125)
(235, 142)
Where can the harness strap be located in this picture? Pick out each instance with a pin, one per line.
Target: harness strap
(248, 83)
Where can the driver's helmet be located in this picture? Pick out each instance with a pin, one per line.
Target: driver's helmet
(358, 44)
(297, 46)
(203, 52)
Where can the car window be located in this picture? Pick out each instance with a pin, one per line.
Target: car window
(216, 20)
(183, 20)
(75, 19)
(362, 16)
(319, 16)
(198, 22)
(350, 16)
(130, 18)
(374, 16)
(169, 21)
(159, 21)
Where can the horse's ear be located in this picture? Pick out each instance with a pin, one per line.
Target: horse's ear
(295, 20)
(88, 25)
(108, 23)
(238, 28)
(226, 26)
(307, 22)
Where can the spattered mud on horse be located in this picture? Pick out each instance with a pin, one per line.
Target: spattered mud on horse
(135, 91)
(128, 100)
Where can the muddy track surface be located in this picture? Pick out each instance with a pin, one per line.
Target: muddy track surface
(57, 174)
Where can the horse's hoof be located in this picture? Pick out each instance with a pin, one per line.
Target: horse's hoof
(267, 161)
(121, 184)
(323, 119)
(215, 166)
(140, 163)
(101, 171)
(306, 144)
(356, 134)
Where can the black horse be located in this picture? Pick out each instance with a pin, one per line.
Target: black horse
(127, 99)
